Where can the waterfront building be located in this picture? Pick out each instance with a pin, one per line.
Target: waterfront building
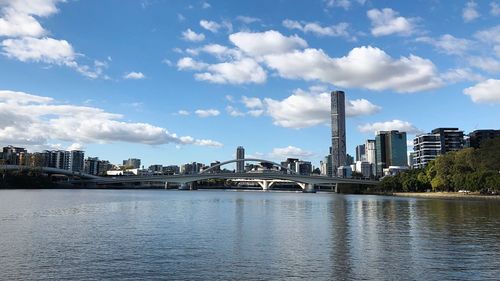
(240, 154)
(360, 152)
(344, 171)
(290, 163)
(476, 137)
(91, 166)
(391, 150)
(326, 166)
(451, 139)
(171, 170)
(133, 163)
(215, 170)
(394, 170)
(156, 169)
(103, 167)
(370, 154)
(338, 152)
(364, 168)
(349, 159)
(76, 160)
(303, 168)
(412, 159)
(12, 155)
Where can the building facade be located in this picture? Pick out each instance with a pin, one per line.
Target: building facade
(391, 150)
(478, 136)
(338, 130)
(132, 163)
(360, 152)
(451, 139)
(427, 147)
(240, 154)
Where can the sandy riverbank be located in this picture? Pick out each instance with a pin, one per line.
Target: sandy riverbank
(446, 195)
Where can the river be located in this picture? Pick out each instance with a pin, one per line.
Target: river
(229, 235)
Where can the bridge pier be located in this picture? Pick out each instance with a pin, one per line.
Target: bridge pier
(166, 185)
(309, 188)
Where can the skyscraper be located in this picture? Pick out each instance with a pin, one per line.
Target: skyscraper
(370, 153)
(390, 150)
(338, 130)
(360, 152)
(240, 154)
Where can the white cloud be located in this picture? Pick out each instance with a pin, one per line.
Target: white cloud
(134, 75)
(485, 92)
(255, 112)
(188, 63)
(183, 112)
(37, 120)
(363, 67)
(205, 5)
(75, 146)
(242, 71)
(47, 50)
(487, 64)
(305, 109)
(495, 9)
(386, 22)
(289, 152)
(192, 36)
(251, 103)
(448, 44)
(312, 27)
(402, 126)
(346, 4)
(490, 35)
(469, 12)
(203, 113)
(234, 111)
(461, 74)
(264, 43)
(210, 25)
(247, 20)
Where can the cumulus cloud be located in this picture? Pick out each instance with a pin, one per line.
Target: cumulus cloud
(134, 75)
(346, 4)
(312, 27)
(386, 22)
(251, 102)
(264, 43)
(210, 25)
(232, 111)
(188, 63)
(306, 109)
(485, 63)
(364, 67)
(490, 35)
(183, 112)
(469, 12)
(448, 44)
(203, 113)
(247, 20)
(27, 42)
(402, 126)
(241, 71)
(495, 9)
(461, 74)
(37, 120)
(289, 152)
(192, 36)
(485, 92)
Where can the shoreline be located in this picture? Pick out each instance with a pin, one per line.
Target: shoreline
(444, 195)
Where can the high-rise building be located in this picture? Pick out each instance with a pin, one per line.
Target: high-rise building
(240, 154)
(371, 156)
(440, 141)
(91, 165)
(452, 139)
(360, 153)
(338, 130)
(391, 150)
(303, 168)
(13, 155)
(426, 148)
(134, 163)
(478, 136)
(76, 160)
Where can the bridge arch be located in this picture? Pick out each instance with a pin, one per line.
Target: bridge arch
(247, 160)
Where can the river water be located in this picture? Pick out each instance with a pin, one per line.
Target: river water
(228, 235)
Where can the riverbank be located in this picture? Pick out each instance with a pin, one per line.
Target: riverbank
(445, 195)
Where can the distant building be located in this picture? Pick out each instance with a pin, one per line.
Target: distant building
(13, 155)
(344, 171)
(478, 136)
(76, 161)
(360, 152)
(440, 141)
(370, 154)
(290, 163)
(133, 163)
(451, 139)
(338, 152)
(156, 169)
(91, 166)
(364, 168)
(391, 150)
(240, 154)
(349, 159)
(171, 170)
(412, 159)
(394, 170)
(215, 164)
(303, 168)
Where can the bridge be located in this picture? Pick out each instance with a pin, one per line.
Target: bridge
(265, 179)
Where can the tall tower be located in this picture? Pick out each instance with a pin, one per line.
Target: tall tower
(338, 130)
(240, 154)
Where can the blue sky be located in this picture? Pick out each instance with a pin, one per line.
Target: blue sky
(179, 81)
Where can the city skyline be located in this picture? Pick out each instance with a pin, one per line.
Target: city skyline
(180, 82)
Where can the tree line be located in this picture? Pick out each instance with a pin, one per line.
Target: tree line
(467, 169)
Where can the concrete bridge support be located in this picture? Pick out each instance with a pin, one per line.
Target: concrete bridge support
(266, 184)
(309, 188)
(166, 185)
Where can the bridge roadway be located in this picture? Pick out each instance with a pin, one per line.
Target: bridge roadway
(306, 182)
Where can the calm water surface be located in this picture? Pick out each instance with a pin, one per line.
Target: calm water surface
(227, 235)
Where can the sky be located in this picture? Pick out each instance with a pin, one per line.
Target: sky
(172, 82)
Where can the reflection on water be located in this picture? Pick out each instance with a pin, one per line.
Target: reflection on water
(223, 235)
